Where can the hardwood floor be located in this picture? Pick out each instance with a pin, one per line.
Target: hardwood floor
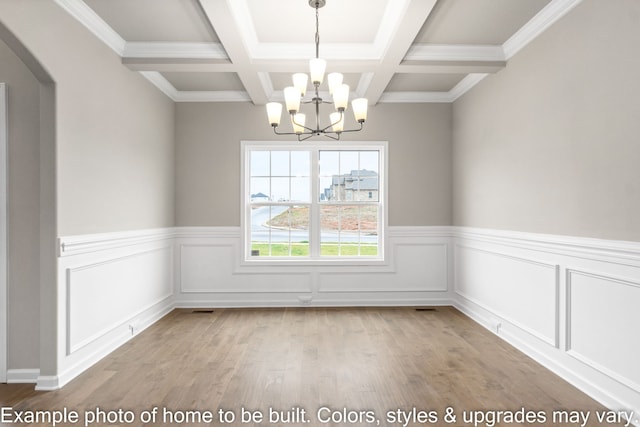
(323, 366)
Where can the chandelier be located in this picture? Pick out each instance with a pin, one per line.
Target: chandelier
(295, 95)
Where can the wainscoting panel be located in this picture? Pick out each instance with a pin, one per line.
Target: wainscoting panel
(602, 310)
(111, 286)
(519, 290)
(209, 268)
(210, 273)
(419, 267)
(101, 295)
(570, 303)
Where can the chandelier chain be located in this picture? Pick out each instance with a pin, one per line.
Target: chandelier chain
(317, 32)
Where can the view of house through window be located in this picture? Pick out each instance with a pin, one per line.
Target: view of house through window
(313, 201)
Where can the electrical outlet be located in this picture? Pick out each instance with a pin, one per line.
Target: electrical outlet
(304, 299)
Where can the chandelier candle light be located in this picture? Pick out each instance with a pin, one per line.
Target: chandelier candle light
(294, 96)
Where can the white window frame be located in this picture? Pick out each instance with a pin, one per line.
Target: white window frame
(314, 148)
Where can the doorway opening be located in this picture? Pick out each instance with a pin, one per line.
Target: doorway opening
(3, 233)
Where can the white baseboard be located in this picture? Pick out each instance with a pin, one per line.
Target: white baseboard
(22, 376)
(362, 301)
(48, 383)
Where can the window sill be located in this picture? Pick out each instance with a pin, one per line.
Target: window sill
(329, 262)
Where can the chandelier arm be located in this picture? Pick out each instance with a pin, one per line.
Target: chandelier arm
(304, 139)
(313, 101)
(329, 135)
(282, 133)
(355, 130)
(326, 134)
(289, 133)
(324, 130)
(312, 131)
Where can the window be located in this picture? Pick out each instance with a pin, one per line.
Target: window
(322, 201)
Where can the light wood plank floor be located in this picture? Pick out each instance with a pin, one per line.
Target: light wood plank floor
(293, 359)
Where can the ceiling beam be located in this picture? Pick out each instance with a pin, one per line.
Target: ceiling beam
(185, 65)
(451, 67)
(401, 40)
(174, 50)
(223, 20)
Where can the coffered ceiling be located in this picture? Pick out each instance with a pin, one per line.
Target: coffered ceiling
(246, 50)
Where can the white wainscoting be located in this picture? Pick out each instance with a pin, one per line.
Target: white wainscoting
(486, 278)
(209, 272)
(602, 326)
(111, 286)
(570, 303)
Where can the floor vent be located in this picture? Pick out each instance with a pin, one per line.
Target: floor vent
(425, 309)
(205, 311)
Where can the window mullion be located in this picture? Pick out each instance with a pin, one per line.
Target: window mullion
(314, 210)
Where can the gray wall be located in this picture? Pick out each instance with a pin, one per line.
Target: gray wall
(208, 159)
(550, 144)
(115, 131)
(23, 214)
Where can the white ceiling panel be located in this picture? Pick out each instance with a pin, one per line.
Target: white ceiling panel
(477, 21)
(155, 20)
(352, 21)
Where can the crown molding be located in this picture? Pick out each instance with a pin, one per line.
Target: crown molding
(87, 17)
(213, 96)
(415, 97)
(176, 50)
(434, 97)
(436, 52)
(465, 85)
(161, 83)
(551, 13)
